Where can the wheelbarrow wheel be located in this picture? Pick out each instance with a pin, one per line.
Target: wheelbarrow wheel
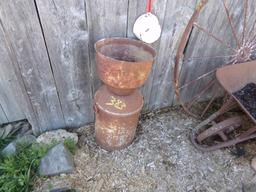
(220, 129)
(250, 134)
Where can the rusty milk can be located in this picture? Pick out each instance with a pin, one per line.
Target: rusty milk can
(116, 118)
(123, 64)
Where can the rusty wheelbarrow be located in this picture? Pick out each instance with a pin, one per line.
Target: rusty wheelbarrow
(239, 81)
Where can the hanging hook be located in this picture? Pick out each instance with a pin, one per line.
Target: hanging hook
(149, 6)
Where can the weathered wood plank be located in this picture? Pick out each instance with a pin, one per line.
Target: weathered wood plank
(70, 28)
(22, 28)
(105, 18)
(3, 117)
(9, 86)
(176, 17)
(64, 28)
(9, 97)
(136, 8)
(23, 100)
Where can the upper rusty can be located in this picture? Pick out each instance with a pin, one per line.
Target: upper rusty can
(116, 118)
(123, 64)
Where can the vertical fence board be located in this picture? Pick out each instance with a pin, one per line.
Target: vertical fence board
(23, 100)
(176, 18)
(21, 26)
(10, 93)
(106, 18)
(136, 8)
(64, 28)
(3, 117)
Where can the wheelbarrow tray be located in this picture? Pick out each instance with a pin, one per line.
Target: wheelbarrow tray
(234, 77)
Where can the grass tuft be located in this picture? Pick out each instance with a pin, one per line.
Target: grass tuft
(18, 172)
(70, 144)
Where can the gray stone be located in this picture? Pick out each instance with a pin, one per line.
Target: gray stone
(56, 136)
(11, 148)
(58, 160)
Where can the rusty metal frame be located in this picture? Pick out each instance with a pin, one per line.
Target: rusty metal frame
(180, 51)
(241, 54)
(228, 78)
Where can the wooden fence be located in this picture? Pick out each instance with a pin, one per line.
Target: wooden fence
(47, 66)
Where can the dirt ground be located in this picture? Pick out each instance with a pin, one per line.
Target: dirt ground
(161, 159)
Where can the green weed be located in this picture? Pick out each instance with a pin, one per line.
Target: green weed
(70, 145)
(18, 172)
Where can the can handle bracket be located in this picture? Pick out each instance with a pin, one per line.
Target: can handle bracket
(95, 108)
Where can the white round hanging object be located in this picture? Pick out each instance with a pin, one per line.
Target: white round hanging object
(147, 28)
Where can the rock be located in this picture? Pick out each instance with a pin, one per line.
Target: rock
(56, 136)
(11, 148)
(58, 160)
(253, 163)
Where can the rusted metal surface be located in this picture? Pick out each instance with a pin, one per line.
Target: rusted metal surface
(123, 64)
(180, 53)
(188, 85)
(250, 134)
(227, 106)
(116, 118)
(232, 78)
(220, 128)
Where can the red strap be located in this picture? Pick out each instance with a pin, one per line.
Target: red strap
(149, 5)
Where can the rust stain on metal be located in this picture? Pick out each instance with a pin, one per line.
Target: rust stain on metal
(243, 52)
(115, 125)
(123, 64)
(235, 77)
(232, 78)
(201, 4)
(180, 52)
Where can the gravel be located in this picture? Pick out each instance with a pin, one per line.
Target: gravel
(161, 159)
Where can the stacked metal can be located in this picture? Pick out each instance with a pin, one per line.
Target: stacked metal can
(123, 65)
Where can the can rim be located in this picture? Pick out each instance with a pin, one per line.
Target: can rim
(121, 114)
(124, 38)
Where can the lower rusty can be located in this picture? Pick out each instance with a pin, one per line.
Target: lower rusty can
(116, 118)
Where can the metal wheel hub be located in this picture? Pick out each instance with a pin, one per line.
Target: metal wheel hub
(243, 54)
